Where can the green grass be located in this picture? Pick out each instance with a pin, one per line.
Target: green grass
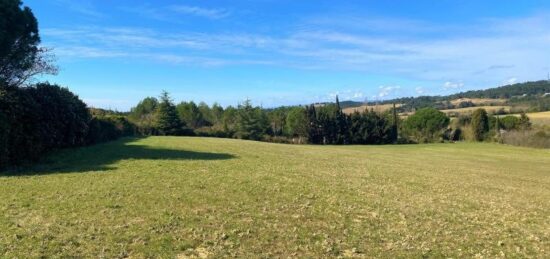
(177, 197)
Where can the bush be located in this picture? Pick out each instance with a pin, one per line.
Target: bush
(509, 123)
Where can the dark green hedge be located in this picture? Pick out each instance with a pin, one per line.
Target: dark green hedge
(35, 120)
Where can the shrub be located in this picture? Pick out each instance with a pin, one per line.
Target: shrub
(509, 123)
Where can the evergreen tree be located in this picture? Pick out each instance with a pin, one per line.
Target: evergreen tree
(167, 120)
(342, 125)
(252, 122)
(480, 124)
(313, 126)
(21, 56)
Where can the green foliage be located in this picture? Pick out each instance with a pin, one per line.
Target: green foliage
(167, 120)
(191, 115)
(143, 115)
(370, 127)
(37, 119)
(480, 124)
(426, 125)
(62, 116)
(252, 122)
(297, 123)
(524, 122)
(509, 122)
(21, 58)
(19, 40)
(107, 128)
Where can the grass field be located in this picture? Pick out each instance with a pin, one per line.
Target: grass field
(182, 197)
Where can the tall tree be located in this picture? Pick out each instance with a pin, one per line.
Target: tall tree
(21, 58)
(314, 135)
(167, 120)
(480, 124)
(252, 121)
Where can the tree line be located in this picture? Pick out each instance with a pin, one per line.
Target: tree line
(315, 124)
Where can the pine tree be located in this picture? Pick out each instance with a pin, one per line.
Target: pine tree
(167, 120)
(313, 125)
(342, 125)
(252, 122)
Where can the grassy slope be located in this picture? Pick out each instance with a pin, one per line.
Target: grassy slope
(166, 196)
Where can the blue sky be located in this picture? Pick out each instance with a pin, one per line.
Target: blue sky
(283, 52)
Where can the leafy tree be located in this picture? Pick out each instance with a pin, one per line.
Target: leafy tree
(277, 120)
(206, 114)
(21, 58)
(189, 113)
(229, 120)
(480, 124)
(167, 120)
(426, 124)
(143, 115)
(297, 123)
(217, 114)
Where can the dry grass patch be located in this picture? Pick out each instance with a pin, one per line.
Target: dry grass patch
(470, 110)
(377, 108)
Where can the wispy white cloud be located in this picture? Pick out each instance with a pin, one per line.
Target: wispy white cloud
(354, 95)
(419, 90)
(481, 54)
(452, 85)
(199, 11)
(388, 91)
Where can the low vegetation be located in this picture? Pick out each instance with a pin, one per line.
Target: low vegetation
(180, 196)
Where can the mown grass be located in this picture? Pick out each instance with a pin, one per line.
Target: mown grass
(183, 197)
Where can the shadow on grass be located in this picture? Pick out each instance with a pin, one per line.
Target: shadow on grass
(101, 157)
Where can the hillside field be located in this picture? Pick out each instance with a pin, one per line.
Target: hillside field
(182, 197)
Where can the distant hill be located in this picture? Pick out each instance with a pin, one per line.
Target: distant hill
(528, 93)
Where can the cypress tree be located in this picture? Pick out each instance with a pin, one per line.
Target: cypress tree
(480, 124)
